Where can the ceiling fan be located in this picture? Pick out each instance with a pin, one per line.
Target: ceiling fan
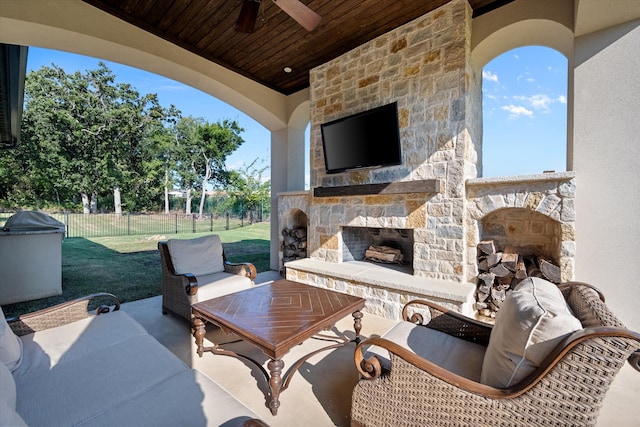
(302, 14)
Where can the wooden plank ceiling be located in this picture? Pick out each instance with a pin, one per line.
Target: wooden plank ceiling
(207, 28)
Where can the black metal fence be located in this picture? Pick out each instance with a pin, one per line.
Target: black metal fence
(102, 225)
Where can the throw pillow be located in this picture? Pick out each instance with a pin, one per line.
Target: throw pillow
(199, 256)
(533, 319)
(10, 345)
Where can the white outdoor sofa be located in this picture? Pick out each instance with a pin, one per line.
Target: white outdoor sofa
(65, 366)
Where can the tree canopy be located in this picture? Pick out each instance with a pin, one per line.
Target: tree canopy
(86, 136)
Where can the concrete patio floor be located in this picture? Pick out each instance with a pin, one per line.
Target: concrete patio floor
(319, 394)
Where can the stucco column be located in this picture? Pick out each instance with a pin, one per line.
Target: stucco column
(287, 174)
(605, 160)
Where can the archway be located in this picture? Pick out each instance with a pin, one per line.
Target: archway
(525, 98)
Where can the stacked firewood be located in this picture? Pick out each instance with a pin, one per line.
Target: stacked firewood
(384, 254)
(294, 243)
(501, 271)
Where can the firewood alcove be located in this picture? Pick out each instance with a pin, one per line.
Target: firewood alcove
(294, 238)
(516, 243)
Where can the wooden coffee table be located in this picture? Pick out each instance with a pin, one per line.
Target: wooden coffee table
(276, 317)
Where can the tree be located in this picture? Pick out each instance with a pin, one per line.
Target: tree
(219, 141)
(84, 135)
(184, 150)
(248, 185)
(201, 151)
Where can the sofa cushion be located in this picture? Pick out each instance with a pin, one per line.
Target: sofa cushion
(188, 398)
(10, 345)
(456, 355)
(79, 389)
(9, 416)
(43, 350)
(218, 284)
(7, 387)
(533, 319)
(199, 256)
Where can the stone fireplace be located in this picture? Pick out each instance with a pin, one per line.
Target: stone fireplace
(434, 199)
(356, 241)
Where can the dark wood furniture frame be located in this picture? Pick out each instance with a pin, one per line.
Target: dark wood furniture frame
(249, 313)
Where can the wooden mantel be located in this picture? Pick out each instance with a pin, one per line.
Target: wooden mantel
(401, 187)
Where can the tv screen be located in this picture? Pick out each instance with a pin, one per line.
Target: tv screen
(363, 140)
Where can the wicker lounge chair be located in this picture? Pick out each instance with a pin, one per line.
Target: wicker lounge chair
(567, 388)
(200, 272)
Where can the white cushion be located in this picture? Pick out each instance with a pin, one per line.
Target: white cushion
(188, 398)
(456, 355)
(10, 345)
(199, 256)
(219, 284)
(75, 391)
(533, 319)
(9, 416)
(43, 350)
(7, 387)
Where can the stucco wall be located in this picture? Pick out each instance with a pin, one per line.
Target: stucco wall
(607, 165)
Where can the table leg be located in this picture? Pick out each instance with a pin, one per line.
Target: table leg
(357, 324)
(275, 383)
(199, 332)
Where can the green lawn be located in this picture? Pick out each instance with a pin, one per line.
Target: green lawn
(129, 266)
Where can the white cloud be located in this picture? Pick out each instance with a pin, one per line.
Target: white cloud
(488, 75)
(517, 111)
(540, 101)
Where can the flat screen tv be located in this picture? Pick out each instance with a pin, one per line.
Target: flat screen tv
(364, 140)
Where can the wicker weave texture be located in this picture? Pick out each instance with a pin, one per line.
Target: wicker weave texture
(569, 394)
(174, 294)
(59, 315)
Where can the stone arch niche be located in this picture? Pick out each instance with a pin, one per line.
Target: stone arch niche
(527, 232)
(294, 237)
(293, 222)
(530, 218)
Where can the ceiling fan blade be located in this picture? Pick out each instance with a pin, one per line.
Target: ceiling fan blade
(300, 13)
(248, 14)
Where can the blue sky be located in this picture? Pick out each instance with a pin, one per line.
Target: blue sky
(525, 112)
(524, 104)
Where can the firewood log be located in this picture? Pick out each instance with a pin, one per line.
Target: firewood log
(486, 247)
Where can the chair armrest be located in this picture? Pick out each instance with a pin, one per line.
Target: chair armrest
(186, 281)
(371, 368)
(190, 283)
(62, 314)
(448, 321)
(241, 268)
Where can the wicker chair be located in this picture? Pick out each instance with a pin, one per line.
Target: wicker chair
(180, 291)
(566, 389)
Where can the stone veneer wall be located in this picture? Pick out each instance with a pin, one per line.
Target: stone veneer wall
(425, 67)
(552, 195)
